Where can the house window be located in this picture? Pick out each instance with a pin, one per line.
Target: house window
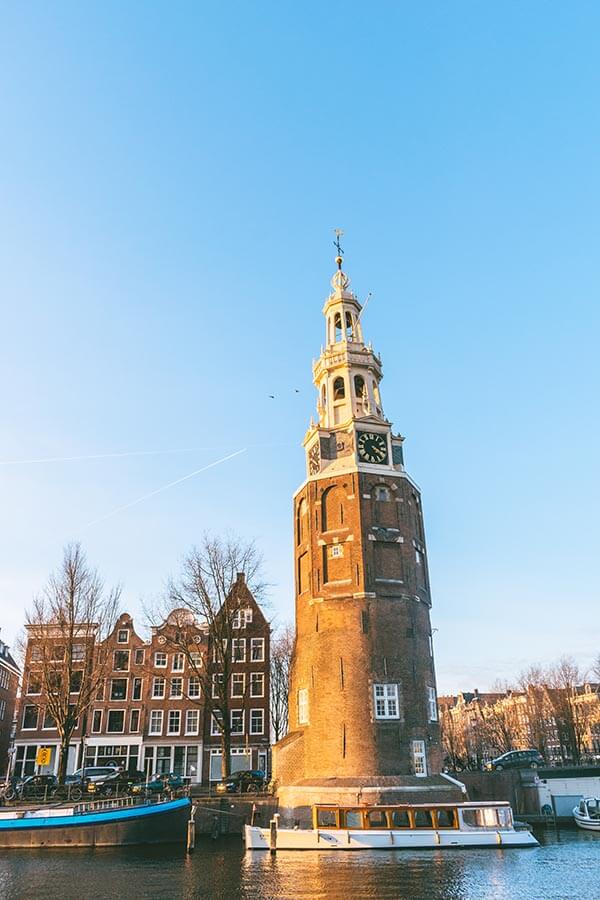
(30, 718)
(193, 686)
(158, 688)
(303, 706)
(386, 701)
(237, 721)
(238, 649)
(241, 618)
(118, 689)
(257, 649)
(257, 721)
(178, 662)
(215, 656)
(192, 721)
(121, 661)
(432, 704)
(134, 721)
(420, 559)
(34, 683)
(257, 684)
(116, 721)
(123, 636)
(419, 758)
(76, 679)
(217, 682)
(136, 693)
(97, 721)
(196, 659)
(139, 657)
(336, 550)
(49, 722)
(160, 660)
(176, 687)
(174, 723)
(2, 709)
(100, 690)
(156, 721)
(78, 654)
(238, 684)
(215, 724)
(36, 653)
(381, 493)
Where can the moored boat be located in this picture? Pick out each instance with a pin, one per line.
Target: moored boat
(587, 814)
(415, 826)
(105, 823)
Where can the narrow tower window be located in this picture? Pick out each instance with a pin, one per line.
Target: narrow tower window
(337, 322)
(381, 493)
(349, 327)
(339, 389)
(359, 386)
(324, 395)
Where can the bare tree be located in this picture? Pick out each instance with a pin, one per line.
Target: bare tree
(499, 726)
(596, 667)
(532, 682)
(453, 739)
(213, 586)
(564, 678)
(66, 629)
(282, 649)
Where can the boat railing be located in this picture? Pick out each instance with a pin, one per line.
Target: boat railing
(103, 805)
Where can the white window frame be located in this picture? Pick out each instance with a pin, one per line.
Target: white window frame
(176, 714)
(197, 683)
(131, 728)
(257, 678)
(217, 678)
(118, 699)
(160, 659)
(240, 716)
(386, 701)
(99, 729)
(37, 709)
(253, 713)
(176, 696)
(196, 659)
(155, 715)
(419, 758)
(259, 644)
(192, 714)
(432, 707)
(178, 662)
(303, 707)
(142, 660)
(29, 692)
(156, 680)
(237, 679)
(121, 631)
(215, 727)
(141, 681)
(238, 650)
(128, 652)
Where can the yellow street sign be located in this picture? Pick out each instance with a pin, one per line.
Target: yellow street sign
(42, 757)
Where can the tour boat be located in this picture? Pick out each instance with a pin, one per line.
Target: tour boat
(587, 814)
(418, 826)
(103, 823)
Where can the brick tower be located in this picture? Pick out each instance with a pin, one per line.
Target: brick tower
(362, 696)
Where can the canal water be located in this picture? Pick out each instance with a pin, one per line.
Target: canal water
(565, 867)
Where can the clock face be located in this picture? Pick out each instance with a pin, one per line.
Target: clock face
(372, 447)
(314, 459)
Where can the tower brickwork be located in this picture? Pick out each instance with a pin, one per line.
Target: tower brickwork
(363, 694)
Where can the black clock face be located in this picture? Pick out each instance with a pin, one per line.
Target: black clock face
(372, 447)
(314, 459)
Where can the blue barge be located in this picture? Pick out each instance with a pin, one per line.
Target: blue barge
(105, 823)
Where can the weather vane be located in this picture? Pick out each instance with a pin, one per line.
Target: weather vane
(338, 234)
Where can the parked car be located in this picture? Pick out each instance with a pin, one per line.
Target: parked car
(248, 781)
(160, 783)
(517, 759)
(92, 773)
(34, 787)
(117, 783)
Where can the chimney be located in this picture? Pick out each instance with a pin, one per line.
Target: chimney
(241, 577)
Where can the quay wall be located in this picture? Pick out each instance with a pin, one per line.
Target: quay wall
(216, 816)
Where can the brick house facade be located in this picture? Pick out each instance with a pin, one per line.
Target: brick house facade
(9, 685)
(150, 712)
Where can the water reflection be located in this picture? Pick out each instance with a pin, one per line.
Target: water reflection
(565, 866)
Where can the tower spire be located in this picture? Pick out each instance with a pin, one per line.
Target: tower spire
(340, 253)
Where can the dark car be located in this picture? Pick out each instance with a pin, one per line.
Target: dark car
(34, 787)
(517, 759)
(118, 783)
(162, 783)
(248, 781)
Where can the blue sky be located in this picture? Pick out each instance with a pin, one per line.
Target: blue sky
(170, 176)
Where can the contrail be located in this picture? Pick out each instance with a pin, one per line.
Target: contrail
(53, 459)
(165, 487)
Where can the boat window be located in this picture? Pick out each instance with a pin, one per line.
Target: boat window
(326, 818)
(481, 818)
(353, 818)
(446, 818)
(504, 817)
(423, 818)
(400, 818)
(376, 818)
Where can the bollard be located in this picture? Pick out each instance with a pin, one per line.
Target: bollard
(191, 830)
(273, 836)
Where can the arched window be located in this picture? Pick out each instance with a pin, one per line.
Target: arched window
(332, 508)
(324, 395)
(339, 389)
(301, 521)
(349, 327)
(359, 386)
(381, 492)
(338, 326)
